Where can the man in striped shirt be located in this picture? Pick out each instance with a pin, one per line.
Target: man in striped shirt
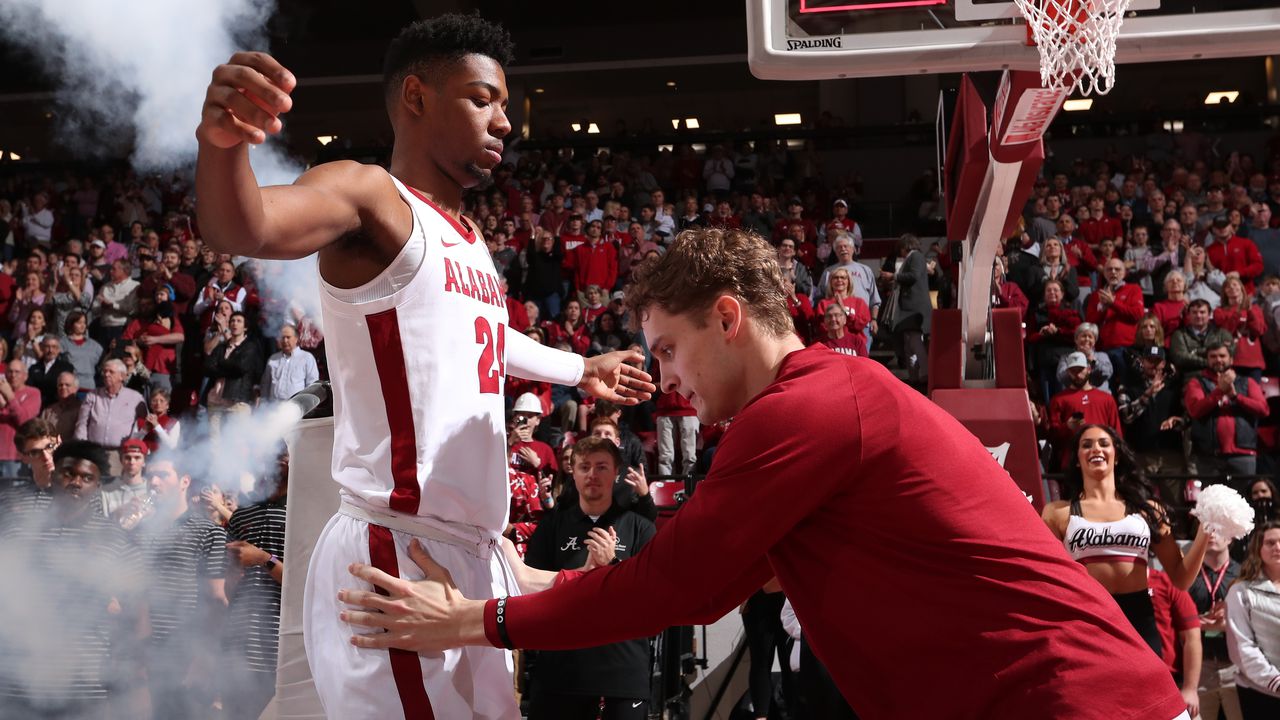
(185, 555)
(251, 637)
(75, 607)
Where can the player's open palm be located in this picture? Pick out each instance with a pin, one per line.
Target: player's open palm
(613, 377)
(244, 100)
(413, 616)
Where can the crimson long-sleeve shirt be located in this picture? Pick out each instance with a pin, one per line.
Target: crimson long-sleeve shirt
(1118, 322)
(925, 581)
(1238, 255)
(595, 265)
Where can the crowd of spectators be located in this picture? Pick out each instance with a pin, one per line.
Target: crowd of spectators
(1151, 294)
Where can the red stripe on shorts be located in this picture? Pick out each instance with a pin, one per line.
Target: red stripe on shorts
(388, 357)
(405, 666)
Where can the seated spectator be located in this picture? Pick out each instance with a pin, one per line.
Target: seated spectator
(630, 444)
(1005, 293)
(1100, 367)
(43, 374)
(90, 617)
(1265, 237)
(1115, 307)
(289, 370)
(806, 252)
(1187, 349)
(1252, 619)
(594, 262)
(837, 334)
(1204, 281)
(1231, 253)
(1209, 593)
(1078, 405)
(1171, 309)
(136, 375)
(861, 278)
(18, 405)
(82, 351)
(158, 429)
(1224, 409)
(1244, 321)
(64, 412)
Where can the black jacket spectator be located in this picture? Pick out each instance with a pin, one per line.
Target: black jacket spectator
(45, 379)
(240, 370)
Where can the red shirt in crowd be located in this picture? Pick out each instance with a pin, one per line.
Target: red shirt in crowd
(1093, 230)
(1248, 327)
(595, 265)
(1118, 322)
(848, 344)
(1097, 406)
(924, 580)
(1239, 255)
(1084, 263)
(1175, 613)
(1170, 313)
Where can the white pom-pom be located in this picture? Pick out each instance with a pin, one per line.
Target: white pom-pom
(1224, 512)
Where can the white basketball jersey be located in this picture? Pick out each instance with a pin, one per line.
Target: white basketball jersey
(418, 381)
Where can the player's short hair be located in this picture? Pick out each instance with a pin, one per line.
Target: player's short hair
(588, 445)
(428, 48)
(704, 264)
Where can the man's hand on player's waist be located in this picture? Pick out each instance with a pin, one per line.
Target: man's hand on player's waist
(611, 377)
(425, 616)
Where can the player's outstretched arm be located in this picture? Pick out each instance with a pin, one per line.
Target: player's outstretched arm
(608, 376)
(243, 104)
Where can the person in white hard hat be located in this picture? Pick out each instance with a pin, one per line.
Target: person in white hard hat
(527, 454)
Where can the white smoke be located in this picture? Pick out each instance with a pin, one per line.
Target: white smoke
(133, 75)
(139, 70)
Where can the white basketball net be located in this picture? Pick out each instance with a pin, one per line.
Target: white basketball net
(1077, 41)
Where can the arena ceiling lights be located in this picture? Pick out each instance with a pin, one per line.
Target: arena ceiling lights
(786, 119)
(1218, 96)
(1078, 104)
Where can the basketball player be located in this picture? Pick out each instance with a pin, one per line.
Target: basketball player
(924, 580)
(417, 342)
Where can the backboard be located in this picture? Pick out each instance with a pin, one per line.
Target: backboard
(827, 39)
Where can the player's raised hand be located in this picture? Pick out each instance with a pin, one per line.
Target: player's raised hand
(611, 377)
(417, 616)
(244, 100)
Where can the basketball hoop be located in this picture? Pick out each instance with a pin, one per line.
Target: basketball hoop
(1076, 40)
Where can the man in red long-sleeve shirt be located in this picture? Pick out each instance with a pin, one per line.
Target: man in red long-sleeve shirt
(1224, 409)
(595, 262)
(1232, 253)
(872, 502)
(1116, 307)
(1080, 404)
